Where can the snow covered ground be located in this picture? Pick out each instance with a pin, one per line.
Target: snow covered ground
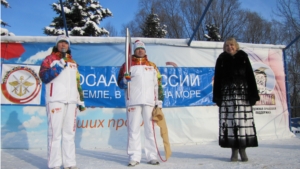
(271, 154)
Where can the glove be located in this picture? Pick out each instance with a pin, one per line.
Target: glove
(125, 80)
(127, 77)
(81, 106)
(61, 63)
(158, 103)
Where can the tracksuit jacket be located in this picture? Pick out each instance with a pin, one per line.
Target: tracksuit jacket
(145, 81)
(62, 79)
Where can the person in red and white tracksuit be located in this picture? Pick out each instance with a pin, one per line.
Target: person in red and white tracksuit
(142, 93)
(63, 97)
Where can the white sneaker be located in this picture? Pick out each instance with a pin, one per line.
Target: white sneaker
(56, 168)
(153, 162)
(132, 163)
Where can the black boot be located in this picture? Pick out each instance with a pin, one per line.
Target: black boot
(243, 154)
(234, 154)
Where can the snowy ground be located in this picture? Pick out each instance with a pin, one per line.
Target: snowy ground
(271, 154)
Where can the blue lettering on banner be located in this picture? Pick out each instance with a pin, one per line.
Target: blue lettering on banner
(182, 86)
(100, 87)
(187, 86)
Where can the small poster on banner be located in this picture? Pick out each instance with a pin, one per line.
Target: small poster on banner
(20, 84)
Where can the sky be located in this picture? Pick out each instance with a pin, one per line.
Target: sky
(270, 154)
(28, 18)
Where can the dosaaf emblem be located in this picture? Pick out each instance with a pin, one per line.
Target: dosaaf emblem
(21, 85)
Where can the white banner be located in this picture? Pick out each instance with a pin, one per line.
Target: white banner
(25, 126)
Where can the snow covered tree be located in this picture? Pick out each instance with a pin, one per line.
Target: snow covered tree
(5, 32)
(4, 3)
(82, 17)
(212, 33)
(152, 28)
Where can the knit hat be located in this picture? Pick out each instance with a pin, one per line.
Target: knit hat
(139, 44)
(62, 38)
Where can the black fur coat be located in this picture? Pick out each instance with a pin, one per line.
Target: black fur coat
(235, 92)
(234, 69)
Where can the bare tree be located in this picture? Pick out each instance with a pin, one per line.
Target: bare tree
(134, 28)
(192, 11)
(228, 16)
(182, 17)
(170, 12)
(289, 12)
(293, 65)
(277, 33)
(294, 81)
(111, 29)
(255, 28)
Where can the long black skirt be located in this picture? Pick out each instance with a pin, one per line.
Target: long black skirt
(236, 123)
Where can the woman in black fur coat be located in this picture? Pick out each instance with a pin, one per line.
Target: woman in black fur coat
(235, 92)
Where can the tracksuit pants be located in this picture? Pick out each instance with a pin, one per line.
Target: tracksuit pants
(134, 116)
(61, 134)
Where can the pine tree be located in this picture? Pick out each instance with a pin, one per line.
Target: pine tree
(5, 32)
(82, 18)
(213, 33)
(152, 28)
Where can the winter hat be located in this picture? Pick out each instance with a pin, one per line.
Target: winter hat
(139, 44)
(62, 38)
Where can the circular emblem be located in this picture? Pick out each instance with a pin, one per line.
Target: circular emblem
(21, 85)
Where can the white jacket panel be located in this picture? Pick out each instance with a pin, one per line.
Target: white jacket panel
(63, 88)
(143, 87)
